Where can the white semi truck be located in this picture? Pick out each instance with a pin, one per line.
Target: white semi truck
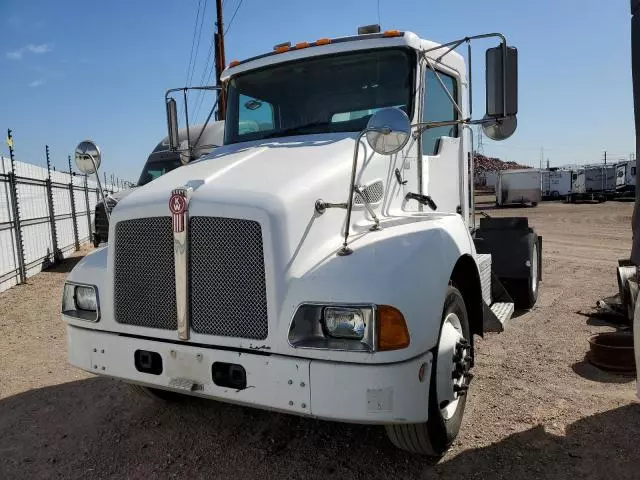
(325, 261)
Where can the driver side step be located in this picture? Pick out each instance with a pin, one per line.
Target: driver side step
(496, 315)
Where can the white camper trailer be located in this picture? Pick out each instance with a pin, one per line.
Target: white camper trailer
(518, 186)
(556, 184)
(626, 177)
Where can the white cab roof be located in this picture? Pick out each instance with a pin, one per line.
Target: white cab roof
(452, 59)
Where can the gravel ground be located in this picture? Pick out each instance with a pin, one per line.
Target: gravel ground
(536, 409)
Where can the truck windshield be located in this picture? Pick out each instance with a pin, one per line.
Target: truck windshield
(153, 170)
(334, 93)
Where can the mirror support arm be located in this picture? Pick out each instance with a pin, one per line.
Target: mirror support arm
(104, 199)
(345, 250)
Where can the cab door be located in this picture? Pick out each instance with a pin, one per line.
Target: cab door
(442, 169)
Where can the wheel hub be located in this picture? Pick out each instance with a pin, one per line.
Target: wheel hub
(454, 365)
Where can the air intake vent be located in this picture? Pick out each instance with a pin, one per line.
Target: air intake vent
(372, 193)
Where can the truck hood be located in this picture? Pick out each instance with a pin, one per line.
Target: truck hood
(271, 170)
(274, 182)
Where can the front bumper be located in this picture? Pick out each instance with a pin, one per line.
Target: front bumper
(359, 393)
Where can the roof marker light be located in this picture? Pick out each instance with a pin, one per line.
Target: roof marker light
(234, 63)
(323, 41)
(300, 45)
(282, 47)
(392, 33)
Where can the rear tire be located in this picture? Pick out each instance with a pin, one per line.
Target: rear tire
(435, 436)
(155, 393)
(525, 291)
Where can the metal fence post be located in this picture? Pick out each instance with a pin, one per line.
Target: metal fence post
(73, 208)
(57, 254)
(15, 207)
(86, 199)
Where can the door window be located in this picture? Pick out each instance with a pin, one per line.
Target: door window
(437, 108)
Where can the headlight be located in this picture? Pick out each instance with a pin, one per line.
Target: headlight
(86, 298)
(81, 301)
(360, 328)
(342, 322)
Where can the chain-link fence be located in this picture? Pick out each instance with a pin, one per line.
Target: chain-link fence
(45, 215)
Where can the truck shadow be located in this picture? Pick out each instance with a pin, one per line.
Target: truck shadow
(96, 428)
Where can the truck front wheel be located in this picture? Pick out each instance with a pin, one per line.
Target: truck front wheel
(450, 377)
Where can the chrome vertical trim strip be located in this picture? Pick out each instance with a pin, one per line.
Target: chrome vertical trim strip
(179, 208)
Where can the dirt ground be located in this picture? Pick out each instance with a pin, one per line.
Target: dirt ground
(536, 409)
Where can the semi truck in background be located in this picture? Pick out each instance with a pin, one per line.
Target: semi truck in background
(592, 182)
(326, 260)
(521, 186)
(161, 161)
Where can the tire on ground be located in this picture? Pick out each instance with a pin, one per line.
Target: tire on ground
(435, 436)
(523, 291)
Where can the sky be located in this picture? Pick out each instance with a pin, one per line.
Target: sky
(76, 69)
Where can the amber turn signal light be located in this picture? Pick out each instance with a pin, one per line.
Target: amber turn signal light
(392, 329)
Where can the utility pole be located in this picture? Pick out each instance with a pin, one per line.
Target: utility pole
(220, 62)
(541, 156)
(605, 157)
(635, 73)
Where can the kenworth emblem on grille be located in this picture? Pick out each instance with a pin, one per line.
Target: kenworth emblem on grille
(178, 206)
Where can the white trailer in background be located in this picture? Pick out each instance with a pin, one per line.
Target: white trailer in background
(593, 182)
(518, 186)
(626, 177)
(556, 183)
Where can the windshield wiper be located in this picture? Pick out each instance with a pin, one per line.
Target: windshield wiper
(299, 129)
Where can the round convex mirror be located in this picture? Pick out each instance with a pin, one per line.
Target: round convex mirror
(88, 157)
(500, 129)
(390, 130)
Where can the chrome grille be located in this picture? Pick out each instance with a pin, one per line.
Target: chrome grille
(227, 287)
(144, 276)
(226, 278)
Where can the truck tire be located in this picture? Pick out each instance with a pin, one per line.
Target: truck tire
(433, 437)
(525, 291)
(154, 393)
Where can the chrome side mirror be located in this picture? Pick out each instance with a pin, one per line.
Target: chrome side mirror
(88, 157)
(388, 131)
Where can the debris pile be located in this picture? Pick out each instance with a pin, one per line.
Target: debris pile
(488, 164)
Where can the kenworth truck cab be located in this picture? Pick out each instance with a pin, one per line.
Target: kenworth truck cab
(325, 261)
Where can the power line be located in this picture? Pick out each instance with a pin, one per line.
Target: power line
(233, 17)
(195, 58)
(205, 73)
(193, 41)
